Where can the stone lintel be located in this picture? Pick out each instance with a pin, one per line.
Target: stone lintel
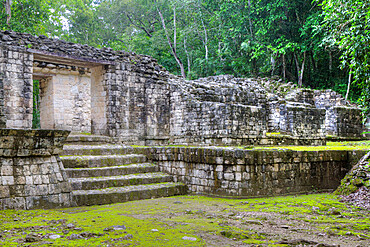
(67, 59)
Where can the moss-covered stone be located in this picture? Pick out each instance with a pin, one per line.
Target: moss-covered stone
(358, 177)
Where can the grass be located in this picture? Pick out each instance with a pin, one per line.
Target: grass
(204, 221)
(340, 146)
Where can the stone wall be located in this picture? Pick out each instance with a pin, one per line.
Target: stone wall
(137, 102)
(207, 122)
(2, 105)
(98, 101)
(246, 173)
(219, 110)
(31, 174)
(342, 121)
(342, 118)
(16, 80)
(296, 119)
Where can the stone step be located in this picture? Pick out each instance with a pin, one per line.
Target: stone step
(111, 171)
(86, 161)
(104, 149)
(94, 183)
(127, 193)
(87, 139)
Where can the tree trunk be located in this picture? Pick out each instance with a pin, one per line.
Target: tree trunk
(300, 70)
(250, 19)
(330, 62)
(284, 68)
(273, 62)
(188, 57)
(349, 83)
(205, 39)
(8, 10)
(171, 46)
(300, 76)
(297, 66)
(174, 29)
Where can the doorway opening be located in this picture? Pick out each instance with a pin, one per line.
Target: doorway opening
(36, 122)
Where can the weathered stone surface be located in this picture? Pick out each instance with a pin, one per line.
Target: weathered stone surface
(26, 181)
(244, 173)
(113, 173)
(358, 177)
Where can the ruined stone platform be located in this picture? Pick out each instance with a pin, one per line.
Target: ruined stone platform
(104, 173)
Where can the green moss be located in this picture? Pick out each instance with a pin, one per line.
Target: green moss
(166, 221)
(341, 146)
(273, 133)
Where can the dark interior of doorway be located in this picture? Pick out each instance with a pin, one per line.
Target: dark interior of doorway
(36, 124)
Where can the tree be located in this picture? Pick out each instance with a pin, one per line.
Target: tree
(349, 25)
(31, 16)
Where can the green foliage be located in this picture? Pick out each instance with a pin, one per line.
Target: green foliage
(30, 16)
(36, 105)
(348, 25)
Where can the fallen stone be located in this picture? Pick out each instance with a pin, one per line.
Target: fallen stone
(334, 211)
(74, 236)
(55, 236)
(128, 236)
(189, 238)
(154, 230)
(118, 228)
(70, 225)
(32, 237)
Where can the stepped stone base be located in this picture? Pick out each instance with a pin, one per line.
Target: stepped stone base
(104, 173)
(127, 193)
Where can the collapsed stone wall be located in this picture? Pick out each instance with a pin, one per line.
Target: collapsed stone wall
(31, 173)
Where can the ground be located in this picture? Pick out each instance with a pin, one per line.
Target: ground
(193, 221)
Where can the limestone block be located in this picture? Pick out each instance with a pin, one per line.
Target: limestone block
(8, 180)
(4, 192)
(6, 170)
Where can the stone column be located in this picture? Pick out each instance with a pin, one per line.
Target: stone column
(16, 86)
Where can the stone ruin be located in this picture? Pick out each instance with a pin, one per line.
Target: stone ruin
(134, 100)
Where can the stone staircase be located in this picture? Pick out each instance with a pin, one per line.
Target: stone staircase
(104, 173)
